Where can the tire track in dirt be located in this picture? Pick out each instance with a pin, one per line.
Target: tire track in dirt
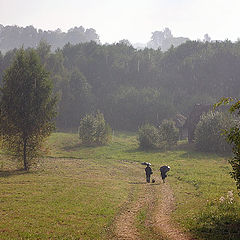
(162, 219)
(125, 223)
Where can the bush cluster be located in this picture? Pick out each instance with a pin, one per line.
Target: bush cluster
(209, 135)
(168, 132)
(148, 137)
(94, 130)
(151, 137)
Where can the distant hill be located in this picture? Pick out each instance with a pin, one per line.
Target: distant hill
(15, 37)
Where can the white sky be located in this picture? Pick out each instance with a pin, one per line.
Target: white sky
(134, 20)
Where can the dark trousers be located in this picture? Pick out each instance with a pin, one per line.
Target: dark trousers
(164, 175)
(148, 178)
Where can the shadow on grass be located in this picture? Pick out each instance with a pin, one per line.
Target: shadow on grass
(218, 224)
(194, 154)
(9, 173)
(152, 184)
(137, 183)
(141, 150)
(75, 147)
(183, 146)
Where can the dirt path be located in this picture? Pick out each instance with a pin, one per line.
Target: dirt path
(125, 228)
(160, 221)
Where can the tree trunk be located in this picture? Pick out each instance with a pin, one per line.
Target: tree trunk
(25, 155)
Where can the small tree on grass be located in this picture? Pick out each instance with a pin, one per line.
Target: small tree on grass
(94, 130)
(148, 137)
(209, 132)
(168, 132)
(26, 107)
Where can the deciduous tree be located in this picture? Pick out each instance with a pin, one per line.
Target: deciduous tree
(27, 107)
(233, 137)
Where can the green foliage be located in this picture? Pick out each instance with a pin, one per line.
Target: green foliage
(131, 107)
(235, 107)
(209, 132)
(26, 107)
(233, 137)
(132, 87)
(148, 137)
(94, 130)
(76, 100)
(168, 132)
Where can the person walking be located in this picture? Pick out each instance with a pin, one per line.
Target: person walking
(148, 171)
(164, 170)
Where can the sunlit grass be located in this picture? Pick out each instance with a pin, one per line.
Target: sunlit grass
(77, 191)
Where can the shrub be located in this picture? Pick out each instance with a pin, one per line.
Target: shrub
(93, 130)
(168, 132)
(209, 132)
(148, 137)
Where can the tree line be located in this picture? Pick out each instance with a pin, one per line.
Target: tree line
(132, 87)
(15, 37)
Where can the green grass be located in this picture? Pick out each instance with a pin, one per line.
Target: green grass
(77, 191)
(74, 196)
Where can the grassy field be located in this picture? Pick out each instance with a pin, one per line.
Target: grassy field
(76, 192)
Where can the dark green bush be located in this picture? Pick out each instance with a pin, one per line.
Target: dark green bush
(209, 135)
(148, 137)
(93, 130)
(168, 132)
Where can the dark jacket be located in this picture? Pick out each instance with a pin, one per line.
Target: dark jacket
(148, 170)
(164, 170)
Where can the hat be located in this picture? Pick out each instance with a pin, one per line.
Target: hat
(146, 163)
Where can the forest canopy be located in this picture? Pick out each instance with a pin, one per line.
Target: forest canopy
(132, 87)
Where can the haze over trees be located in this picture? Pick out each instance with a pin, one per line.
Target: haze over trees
(164, 40)
(133, 87)
(15, 37)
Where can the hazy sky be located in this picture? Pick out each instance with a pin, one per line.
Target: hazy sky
(128, 19)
